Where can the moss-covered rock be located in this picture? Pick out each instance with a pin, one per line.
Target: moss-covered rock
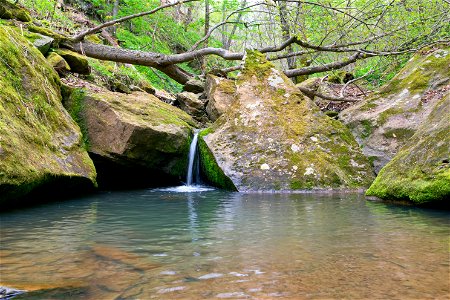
(57, 62)
(11, 11)
(42, 42)
(135, 130)
(220, 95)
(57, 37)
(386, 120)
(420, 172)
(275, 138)
(39, 142)
(78, 63)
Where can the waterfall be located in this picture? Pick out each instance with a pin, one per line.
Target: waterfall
(192, 166)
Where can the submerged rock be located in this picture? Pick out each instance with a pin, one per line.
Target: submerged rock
(420, 172)
(220, 96)
(385, 121)
(132, 134)
(39, 142)
(275, 138)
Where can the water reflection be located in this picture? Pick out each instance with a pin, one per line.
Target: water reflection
(169, 245)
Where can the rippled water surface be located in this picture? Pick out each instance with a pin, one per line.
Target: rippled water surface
(164, 244)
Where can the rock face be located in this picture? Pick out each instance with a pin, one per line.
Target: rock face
(220, 96)
(193, 105)
(136, 131)
(194, 86)
(39, 142)
(275, 138)
(420, 172)
(384, 122)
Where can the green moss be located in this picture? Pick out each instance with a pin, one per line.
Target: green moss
(367, 128)
(384, 116)
(37, 138)
(11, 11)
(227, 86)
(211, 170)
(400, 133)
(45, 31)
(93, 38)
(256, 64)
(74, 102)
(77, 62)
(420, 172)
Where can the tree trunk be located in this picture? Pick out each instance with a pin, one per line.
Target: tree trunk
(282, 7)
(115, 12)
(227, 44)
(207, 11)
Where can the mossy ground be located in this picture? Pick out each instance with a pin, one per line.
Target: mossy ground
(38, 139)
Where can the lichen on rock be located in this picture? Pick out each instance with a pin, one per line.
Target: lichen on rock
(275, 138)
(386, 120)
(39, 142)
(420, 172)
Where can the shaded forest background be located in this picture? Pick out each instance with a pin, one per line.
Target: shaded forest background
(383, 33)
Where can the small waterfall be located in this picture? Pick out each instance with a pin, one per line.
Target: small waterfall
(193, 166)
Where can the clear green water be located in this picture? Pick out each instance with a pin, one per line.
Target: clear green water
(163, 245)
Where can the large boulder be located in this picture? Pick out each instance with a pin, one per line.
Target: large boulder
(220, 95)
(133, 137)
(420, 172)
(275, 138)
(39, 142)
(387, 119)
(11, 11)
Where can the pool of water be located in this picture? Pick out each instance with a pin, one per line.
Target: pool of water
(167, 244)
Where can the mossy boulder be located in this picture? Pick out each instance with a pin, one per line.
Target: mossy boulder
(386, 120)
(39, 141)
(220, 95)
(11, 11)
(136, 131)
(420, 172)
(42, 42)
(57, 62)
(275, 138)
(77, 62)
